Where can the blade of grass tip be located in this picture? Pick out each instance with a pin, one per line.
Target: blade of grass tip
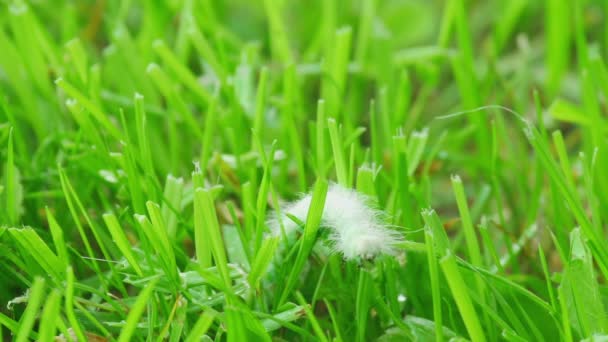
(457, 286)
(365, 182)
(121, 241)
(156, 246)
(415, 149)
(126, 334)
(440, 238)
(355, 134)
(34, 299)
(97, 112)
(128, 160)
(48, 319)
(435, 289)
(69, 305)
(160, 231)
(90, 130)
(265, 186)
(58, 239)
(203, 323)
(311, 317)
(213, 233)
(262, 260)
(313, 220)
(338, 153)
(178, 307)
(32, 244)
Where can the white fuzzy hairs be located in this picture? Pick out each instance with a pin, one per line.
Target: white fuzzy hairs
(356, 229)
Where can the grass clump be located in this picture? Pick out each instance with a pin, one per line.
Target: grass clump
(453, 153)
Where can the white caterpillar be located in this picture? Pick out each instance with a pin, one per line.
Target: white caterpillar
(355, 228)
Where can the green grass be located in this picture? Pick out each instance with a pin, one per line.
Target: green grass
(144, 145)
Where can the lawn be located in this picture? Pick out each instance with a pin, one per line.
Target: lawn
(331, 170)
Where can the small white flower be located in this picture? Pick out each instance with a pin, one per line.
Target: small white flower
(355, 228)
